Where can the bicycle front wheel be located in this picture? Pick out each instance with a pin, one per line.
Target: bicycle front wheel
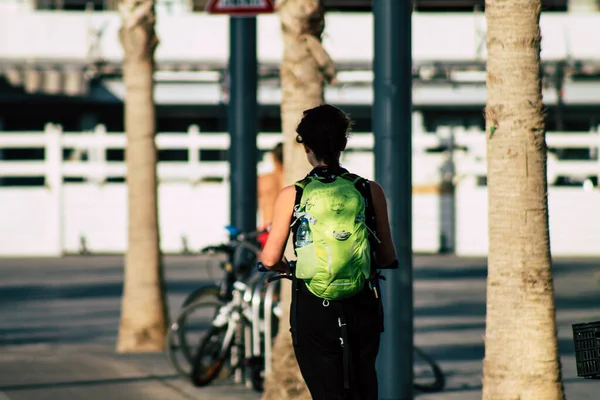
(190, 328)
(211, 356)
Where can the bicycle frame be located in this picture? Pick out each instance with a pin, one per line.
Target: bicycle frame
(268, 313)
(242, 312)
(245, 317)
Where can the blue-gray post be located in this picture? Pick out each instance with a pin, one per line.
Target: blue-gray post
(243, 122)
(392, 67)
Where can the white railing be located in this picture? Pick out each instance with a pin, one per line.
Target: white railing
(67, 217)
(359, 157)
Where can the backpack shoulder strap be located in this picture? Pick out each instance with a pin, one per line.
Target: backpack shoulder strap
(302, 183)
(352, 178)
(364, 188)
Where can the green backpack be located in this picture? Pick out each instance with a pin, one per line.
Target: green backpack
(338, 261)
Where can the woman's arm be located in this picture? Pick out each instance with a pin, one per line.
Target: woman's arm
(267, 193)
(385, 252)
(272, 254)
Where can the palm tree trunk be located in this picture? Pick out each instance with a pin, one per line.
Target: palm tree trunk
(521, 354)
(305, 68)
(143, 308)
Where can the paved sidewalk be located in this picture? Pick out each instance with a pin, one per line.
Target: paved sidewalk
(60, 318)
(41, 372)
(96, 373)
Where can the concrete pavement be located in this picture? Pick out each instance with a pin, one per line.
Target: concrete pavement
(36, 372)
(60, 317)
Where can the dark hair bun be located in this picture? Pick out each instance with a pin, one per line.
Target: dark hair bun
(324, 129)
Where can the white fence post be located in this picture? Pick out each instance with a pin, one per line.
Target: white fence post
(598, 157)
(54, 233)
(194, 154)
(1, 149)
(54, 179)
(98, 151)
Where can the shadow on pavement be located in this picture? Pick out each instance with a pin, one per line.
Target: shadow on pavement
(70, 384)
(48, 302)
(34, 293)
(477, 269)
(476, 351)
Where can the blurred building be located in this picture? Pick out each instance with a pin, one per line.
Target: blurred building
(60, 62)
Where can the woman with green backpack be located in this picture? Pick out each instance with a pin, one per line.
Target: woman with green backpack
(341, 233)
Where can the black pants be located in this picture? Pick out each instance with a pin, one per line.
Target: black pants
(318, 347)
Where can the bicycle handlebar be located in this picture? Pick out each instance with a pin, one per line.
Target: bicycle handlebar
(261, 268)
(229, 248)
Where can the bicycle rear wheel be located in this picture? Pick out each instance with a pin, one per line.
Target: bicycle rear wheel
(191, 326)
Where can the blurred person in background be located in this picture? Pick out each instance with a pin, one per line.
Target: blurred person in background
(269, 184)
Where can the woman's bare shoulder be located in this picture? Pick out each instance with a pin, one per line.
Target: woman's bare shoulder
(286, 191)
(287, 195)
(376, 189)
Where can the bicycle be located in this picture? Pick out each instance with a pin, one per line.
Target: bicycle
(237, 319)
(427, 385)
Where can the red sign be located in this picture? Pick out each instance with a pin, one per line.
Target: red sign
(240, 7)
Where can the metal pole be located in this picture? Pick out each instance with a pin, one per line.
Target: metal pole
(243, 122)
(392, 67)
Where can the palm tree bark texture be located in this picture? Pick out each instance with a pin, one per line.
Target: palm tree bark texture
(521, 353)
(143, 307)
(305, 68)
